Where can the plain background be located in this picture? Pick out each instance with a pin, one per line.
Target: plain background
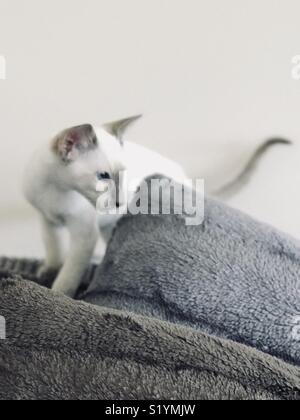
(212, 77)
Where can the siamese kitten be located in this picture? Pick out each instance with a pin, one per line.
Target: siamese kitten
(63, 181)
(65, 177)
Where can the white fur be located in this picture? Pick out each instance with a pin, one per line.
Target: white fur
(66, 197)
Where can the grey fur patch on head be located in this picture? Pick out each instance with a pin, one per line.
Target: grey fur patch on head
(71, 142)
(118, 128)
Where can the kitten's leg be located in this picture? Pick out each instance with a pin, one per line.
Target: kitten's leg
(53, 241)
(84, 236)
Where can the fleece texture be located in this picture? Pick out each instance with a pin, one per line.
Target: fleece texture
(60, 349)
(231, 276)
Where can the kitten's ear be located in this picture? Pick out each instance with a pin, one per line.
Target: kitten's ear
(70, 143)
(118, 128)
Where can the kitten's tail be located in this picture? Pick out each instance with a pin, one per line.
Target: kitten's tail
(233, 187)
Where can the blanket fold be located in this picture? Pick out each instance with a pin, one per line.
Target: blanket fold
(57, 348)
(231, 276)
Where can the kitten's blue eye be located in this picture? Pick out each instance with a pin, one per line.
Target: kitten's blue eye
(103, 176)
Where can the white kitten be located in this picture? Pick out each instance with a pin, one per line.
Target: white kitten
(62, 183)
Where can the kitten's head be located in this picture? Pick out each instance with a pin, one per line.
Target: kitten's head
(91, 158)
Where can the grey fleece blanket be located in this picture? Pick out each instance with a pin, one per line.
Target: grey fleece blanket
(231, 276)
(57, 348)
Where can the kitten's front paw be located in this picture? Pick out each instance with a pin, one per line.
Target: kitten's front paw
(61, 287)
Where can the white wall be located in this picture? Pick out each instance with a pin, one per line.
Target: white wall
(204, 72)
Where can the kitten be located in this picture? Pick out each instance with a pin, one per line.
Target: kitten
(63, 181)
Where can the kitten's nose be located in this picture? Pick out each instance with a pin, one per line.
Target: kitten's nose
(118, 205)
